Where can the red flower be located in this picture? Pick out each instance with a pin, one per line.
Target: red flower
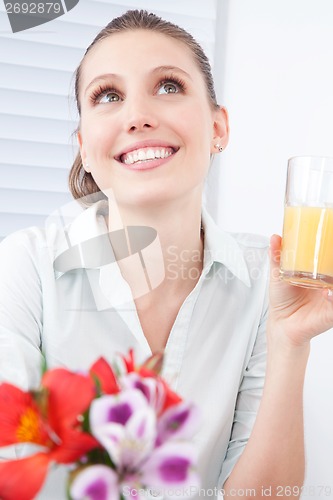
(20, 408)
(106, 379)
(49, 418)
(129, 361)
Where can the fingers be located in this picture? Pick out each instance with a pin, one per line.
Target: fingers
(275, 248)
(328, 294)
(274, 254)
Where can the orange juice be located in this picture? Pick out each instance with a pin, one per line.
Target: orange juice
(307, 245)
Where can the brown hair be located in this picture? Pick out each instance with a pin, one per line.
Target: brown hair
(81, 183)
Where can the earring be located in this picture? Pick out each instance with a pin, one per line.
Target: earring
(219, 147)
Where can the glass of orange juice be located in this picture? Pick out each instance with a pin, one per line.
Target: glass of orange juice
(307, 240)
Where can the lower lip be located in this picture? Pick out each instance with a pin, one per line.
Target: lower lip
(148, 165)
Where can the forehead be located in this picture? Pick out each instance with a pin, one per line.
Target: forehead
(138, 51)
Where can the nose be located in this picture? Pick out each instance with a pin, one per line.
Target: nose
(139, 116)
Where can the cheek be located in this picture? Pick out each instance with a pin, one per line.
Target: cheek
(98, 135)
(196, 124)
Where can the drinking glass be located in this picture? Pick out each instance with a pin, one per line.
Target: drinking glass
(307, 240)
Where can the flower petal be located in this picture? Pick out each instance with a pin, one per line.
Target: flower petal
(69, 396)
(97, 482)
(104, 373)
(128, 444)
(129, 361)
(116, 408)
(142, 425)
(22, 479)
(74, 445)
(151, 388)
(180, 421)
(171, 467)
(171, 398)
(111, 436)
(20, 419)
(154, 363)
(140, 437)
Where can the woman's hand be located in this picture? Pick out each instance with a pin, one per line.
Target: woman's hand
(296, 313)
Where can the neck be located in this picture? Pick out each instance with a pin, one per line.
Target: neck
(178, 248)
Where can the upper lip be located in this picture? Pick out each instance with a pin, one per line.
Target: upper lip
(146, 144)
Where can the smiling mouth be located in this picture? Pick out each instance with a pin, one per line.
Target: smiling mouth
(145, 155)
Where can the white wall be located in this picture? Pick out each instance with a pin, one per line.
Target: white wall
(278, 88)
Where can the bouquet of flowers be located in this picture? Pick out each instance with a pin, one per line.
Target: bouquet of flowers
(122, 432)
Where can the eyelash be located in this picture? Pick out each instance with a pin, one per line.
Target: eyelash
(174, 80)
(99, 92)
(105, 89)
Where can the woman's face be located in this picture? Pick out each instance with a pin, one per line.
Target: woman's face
(147, 128)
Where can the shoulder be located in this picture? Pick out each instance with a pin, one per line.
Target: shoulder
(254, 245)
(29, 239)
(251, 240)
(21, 256)
(60, 230)
(243, 255)
(252, 257)
(254, 248)
(237, 251)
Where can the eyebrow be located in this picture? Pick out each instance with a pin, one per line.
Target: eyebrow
(106, 76)
(158, 69)
(161, 69)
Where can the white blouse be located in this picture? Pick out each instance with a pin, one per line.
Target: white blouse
(75, 307)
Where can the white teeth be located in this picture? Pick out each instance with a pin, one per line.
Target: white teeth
(145, 155)
(150, 154)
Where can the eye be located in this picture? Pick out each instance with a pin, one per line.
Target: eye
(108, 97)
(104, 95)
(170, 86)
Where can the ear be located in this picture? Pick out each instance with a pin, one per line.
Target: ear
(82, 152)
(220, 129)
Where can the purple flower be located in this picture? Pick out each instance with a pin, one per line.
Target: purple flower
(125, 425)
(178, 422)
(147, 452)
(97, 482)
(151, 387)
(170, 469)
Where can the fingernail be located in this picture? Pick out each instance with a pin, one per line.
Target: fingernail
(329, 293)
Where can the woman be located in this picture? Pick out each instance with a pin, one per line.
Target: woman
(149, 125)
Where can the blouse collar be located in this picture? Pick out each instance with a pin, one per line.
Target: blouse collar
(84, 242)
